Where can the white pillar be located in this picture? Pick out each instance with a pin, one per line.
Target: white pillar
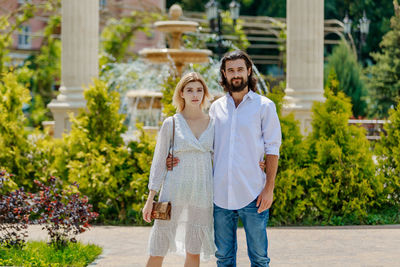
(305, 58)
(79, 59)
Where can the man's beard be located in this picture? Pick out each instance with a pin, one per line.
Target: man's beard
(237, 88)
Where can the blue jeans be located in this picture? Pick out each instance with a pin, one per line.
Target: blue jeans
(255, 225)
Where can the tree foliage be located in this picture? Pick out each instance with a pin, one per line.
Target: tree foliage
(239, 40)
(118, 35)
(40, 71)
(349, 74)
(384, 78)
(274, 8)
(7, 29)
(12, 21)
(378, 11)
(41, 74)
(235, 36)
(45, 67)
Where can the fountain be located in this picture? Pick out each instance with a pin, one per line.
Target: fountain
(141, 91)
(144, 104)
(175, 55)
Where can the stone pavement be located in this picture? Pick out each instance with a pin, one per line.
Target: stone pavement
(288, 246)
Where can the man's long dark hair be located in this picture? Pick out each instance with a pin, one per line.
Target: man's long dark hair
(237, 54)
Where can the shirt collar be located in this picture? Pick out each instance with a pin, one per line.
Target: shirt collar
(250, 95)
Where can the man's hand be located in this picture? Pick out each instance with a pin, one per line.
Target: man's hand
(266, 197)
(264, 200)
(169, 162)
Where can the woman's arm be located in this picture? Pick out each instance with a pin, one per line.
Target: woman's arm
(158, 170)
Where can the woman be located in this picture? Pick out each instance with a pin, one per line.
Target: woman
(189, 185)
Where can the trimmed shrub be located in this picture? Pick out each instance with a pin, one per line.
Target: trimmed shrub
(291, 202)
(291, 198)
(342, 170)
(388, 150)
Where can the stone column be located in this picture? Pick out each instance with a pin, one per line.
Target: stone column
(305, 58)
(79, 59)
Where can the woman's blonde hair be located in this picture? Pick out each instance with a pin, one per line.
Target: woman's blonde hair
(178, 101)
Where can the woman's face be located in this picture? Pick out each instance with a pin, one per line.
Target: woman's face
(193, 94)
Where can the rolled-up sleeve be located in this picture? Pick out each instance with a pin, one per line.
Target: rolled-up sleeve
(271, 129)
(158, 170)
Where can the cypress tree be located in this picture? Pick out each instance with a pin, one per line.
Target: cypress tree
(385, 75)
(342, 169)
(349, 74)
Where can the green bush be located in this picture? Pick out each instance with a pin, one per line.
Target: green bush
(329, 177)
(114, 176)
(342, 170)
(16, 149)
(37, 112)
(388, 150)
(291, 204)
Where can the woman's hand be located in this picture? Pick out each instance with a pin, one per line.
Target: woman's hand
(148, 207)
(262, 165)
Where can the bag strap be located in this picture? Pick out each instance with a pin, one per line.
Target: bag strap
(173, 140)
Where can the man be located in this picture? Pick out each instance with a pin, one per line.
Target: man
(246, 128)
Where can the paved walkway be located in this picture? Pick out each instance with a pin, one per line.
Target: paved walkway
(288, 246)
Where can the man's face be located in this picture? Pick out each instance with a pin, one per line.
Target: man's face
(236, 74)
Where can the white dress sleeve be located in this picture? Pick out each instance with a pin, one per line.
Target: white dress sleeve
(158, 169)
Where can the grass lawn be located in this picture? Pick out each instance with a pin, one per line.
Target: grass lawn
(40, 254)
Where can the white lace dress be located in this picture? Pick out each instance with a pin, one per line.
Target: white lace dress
(189, 186)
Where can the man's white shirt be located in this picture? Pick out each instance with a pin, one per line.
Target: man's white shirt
(243, 134)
